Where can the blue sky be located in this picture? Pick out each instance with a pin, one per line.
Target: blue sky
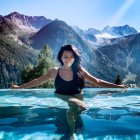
(83, 13)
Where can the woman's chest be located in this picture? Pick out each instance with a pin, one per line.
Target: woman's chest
(66, 75)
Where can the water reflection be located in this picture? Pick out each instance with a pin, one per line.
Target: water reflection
(29, 117)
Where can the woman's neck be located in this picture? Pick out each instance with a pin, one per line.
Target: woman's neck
(66, 67)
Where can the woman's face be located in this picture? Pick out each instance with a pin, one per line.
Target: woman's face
(67, 58)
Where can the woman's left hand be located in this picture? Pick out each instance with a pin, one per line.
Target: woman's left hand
(122, 86)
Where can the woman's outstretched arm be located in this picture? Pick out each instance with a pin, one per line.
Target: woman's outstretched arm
(99, 82)
(38, 81)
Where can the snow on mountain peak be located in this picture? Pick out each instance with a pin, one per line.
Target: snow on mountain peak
(119, 30)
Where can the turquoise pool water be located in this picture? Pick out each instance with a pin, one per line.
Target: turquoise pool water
(36, 114)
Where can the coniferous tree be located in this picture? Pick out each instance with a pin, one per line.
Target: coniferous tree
(45, 62)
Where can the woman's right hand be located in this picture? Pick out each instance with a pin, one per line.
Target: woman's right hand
(14, 86)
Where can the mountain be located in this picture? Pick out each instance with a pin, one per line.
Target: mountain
(36, 22)
(88, 37)
(8, 27)
(15, 52)
(106, 36)
(1, 17)
(91, 38)
(112, 32)
(118, 55)
(13, 59)
(119, 30)
(92, 31)
(58, 33)
(79, 31)
(121, 58)
(21, 27)
(100, 38)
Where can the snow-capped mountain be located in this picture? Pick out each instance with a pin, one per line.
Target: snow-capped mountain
(100, 38)
(119, 31)
(108, 33)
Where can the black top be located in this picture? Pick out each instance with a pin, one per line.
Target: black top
(66, 87)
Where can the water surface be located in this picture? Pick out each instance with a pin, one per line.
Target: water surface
(36, 114)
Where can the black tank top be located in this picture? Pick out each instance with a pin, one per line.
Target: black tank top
(66, 87)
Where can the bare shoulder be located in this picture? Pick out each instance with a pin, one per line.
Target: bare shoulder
(85, 73)
(83, 70)
(53, 71)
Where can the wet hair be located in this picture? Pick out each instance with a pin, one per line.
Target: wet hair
(76, 65)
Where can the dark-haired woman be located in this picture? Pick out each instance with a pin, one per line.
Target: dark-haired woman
(69, 81)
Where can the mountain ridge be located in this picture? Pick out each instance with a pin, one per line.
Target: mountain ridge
(36, 22)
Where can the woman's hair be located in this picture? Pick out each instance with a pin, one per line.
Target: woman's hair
(76, 65)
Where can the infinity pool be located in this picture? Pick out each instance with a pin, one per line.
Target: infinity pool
(36, 114)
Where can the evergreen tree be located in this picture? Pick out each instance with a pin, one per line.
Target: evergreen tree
(45, 62)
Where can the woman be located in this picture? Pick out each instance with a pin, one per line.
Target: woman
(69, 81)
